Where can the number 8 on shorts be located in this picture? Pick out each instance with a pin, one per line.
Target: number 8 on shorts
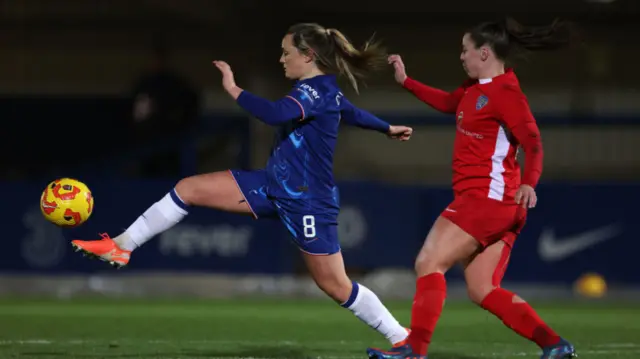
(309, 226)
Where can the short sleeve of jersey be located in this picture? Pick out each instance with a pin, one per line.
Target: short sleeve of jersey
(308, 98)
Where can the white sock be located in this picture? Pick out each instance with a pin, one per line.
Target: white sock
(368, 308)
(161, 216)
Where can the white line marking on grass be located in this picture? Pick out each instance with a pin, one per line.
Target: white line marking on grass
(615, 348)
(618, 345)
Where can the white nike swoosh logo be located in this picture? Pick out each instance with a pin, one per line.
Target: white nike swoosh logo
(553, 249)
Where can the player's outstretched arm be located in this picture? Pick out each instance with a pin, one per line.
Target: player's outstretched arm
(440, 100)
(269, 112)
(354, 116)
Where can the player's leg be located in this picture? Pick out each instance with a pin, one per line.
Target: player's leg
(483, 274)
(446, 244)
(329, 274)
(217, 190)
(451, 239)
(224, 190)
(316, 235)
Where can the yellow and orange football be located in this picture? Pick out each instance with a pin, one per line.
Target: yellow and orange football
(66, 202)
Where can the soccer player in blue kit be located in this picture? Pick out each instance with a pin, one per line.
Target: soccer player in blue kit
(297, 184)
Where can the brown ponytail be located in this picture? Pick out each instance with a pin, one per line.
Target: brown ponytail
(508, 36)
(556, 35)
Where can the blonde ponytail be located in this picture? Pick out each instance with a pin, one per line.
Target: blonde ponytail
(334, 53)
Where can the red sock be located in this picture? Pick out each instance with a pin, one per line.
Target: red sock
(520, 317)
(431, 291)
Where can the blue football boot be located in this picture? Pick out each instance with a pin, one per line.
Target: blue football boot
(562, 350)
(397, 352)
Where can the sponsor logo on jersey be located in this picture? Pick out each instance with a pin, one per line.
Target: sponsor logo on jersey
(309, 91)
(463, 130)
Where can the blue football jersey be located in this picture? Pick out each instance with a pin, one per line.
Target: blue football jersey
(301, 162)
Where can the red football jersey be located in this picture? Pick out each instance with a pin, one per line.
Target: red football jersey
(493, 119)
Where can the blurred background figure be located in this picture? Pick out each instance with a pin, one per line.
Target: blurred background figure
(122, 96)
(165, 107)
(164, 102)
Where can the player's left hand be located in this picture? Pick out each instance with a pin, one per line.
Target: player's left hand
(526, 196)
(402, 133)
(228, 80)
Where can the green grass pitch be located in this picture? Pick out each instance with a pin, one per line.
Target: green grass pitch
(285, 329)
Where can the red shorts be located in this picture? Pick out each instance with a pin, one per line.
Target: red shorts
(486, 219)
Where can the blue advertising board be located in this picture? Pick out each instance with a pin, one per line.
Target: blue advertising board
(573, 230)
(205, 240)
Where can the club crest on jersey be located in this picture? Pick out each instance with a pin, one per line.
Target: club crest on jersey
(481, 102)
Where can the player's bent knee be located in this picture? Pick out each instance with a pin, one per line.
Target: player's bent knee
(338, 290)
(329, 274)
(426, 264)
(446, 245)
(190, 190)
(432, 262)
(203, 189)
(185, 190)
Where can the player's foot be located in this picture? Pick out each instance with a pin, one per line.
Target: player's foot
(404, 341)
(397, 352)
(104, 249)
(562, 350)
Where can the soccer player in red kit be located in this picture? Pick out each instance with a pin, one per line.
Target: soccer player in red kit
(491, 199)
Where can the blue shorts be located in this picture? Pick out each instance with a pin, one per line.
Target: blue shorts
(312, 223)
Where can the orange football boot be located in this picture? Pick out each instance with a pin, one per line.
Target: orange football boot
(104, 249)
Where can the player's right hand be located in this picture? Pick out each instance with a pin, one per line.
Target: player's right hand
(402, 133)
(398, 67)
(228, 80)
